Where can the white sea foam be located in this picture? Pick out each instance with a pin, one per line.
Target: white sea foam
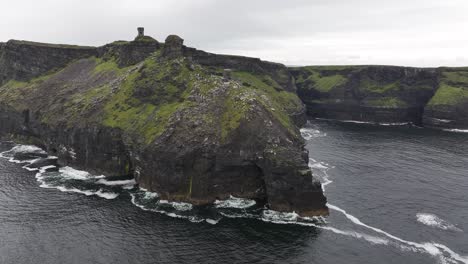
(395, 124)
(442, 120)
(74, 174)
(27, 149)
(117, 183)
(212, 221)
(310, 133)
(180, 206)
(323, 168)
(134, 200)
(457, 130)
(272, 216)
(150, 195)
(435, 221)
(368, 122)
(275, 217)
(356, 122)
(234, 202)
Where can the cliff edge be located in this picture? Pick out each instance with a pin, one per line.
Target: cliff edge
(187, 124)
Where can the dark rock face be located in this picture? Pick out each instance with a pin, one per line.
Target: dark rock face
(173, 122)
(385, 94)
(23, 60)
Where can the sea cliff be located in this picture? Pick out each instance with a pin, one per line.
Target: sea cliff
(432, 97)
(190, 125)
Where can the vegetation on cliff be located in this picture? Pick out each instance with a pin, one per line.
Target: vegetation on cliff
(190, 125)
(453, 88)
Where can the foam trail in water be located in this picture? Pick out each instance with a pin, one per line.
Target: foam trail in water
(368, 122)
(292, 218)
(457, 130)
(435, 221)
(395, 124)
(433, 249)
(100, 192)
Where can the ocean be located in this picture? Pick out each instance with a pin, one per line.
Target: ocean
(396, 193)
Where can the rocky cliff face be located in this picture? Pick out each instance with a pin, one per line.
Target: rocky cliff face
(165, 114)
(385, 94)
(366, 93)
(23, 60)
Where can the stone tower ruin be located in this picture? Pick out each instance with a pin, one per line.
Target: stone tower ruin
(141, 31)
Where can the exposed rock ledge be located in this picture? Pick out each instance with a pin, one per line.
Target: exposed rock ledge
(172, 116)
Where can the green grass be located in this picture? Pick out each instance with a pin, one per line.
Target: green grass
(234, 113)
(455, 77)
(388, 102)
(166, 86)
(375, 87)
(327, 83)
(331, 68)
(278, 102)
(14, 92)
(449, 95)
(321, 82)
(105, 66)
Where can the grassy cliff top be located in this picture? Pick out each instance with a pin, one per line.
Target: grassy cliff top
(453, 87)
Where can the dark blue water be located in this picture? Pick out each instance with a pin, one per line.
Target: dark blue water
(404, 190)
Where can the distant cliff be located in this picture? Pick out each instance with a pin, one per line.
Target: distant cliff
(190, 125)
(435, 97)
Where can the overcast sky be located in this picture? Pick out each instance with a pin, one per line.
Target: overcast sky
(294, 32)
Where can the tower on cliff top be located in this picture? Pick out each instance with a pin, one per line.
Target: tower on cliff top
(141, 31)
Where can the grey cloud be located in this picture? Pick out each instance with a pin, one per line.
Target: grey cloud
(294, 31)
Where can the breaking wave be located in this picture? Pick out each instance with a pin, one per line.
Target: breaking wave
(310, 133)
(320, 169)
(434, 221)
(234, 202)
